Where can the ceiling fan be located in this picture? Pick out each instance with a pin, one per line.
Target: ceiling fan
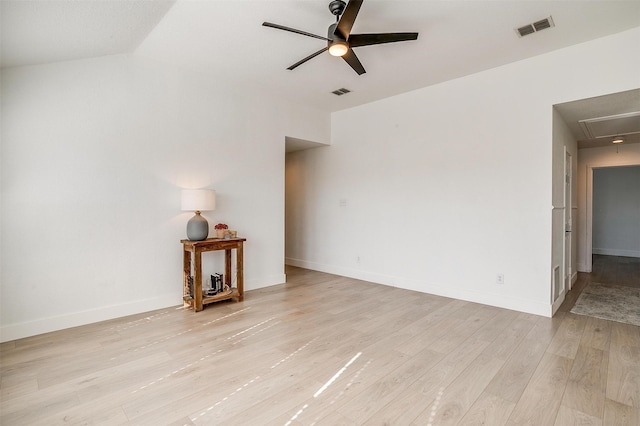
(340, 41)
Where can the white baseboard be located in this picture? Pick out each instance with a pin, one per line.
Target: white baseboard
(45, 325)
(265, 282)
(616, 252)
(582, 267)
(558, 302)
(574, 278)
(500, 301)
(297, 262)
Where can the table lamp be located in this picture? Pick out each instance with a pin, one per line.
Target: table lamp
(198, 200)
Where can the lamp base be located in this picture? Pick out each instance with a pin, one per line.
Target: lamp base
(197, 228)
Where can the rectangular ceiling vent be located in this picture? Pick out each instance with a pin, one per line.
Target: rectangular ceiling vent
(611, 125)
(543, 24)
(341, 92)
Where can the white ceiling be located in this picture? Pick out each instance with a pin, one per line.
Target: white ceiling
(42, 31)
(225, 39)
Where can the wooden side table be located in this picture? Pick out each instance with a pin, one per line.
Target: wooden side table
(195, 249)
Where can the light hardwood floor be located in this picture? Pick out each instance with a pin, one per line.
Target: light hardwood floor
(328, 350)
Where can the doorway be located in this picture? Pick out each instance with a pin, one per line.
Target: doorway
(631, 223)
(610, 264)
(297, 186)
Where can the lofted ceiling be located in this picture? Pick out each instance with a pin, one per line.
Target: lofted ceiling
(225, 39)
(38, 32)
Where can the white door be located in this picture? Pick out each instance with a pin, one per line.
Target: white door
(568, 210)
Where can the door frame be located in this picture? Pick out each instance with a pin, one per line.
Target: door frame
(589, 219)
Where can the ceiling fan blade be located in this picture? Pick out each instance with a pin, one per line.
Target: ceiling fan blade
(359, 40)
(293, 30)
(348, 18)
(351, 58)
(313, 55)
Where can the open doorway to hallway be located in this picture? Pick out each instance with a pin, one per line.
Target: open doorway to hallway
(613, 229)
(298, 186)
(608, 270)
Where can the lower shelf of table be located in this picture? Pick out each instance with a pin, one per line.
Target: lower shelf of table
(229, 294)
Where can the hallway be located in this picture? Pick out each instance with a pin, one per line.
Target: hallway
(614, 270)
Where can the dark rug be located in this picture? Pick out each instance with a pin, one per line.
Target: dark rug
(609, 302)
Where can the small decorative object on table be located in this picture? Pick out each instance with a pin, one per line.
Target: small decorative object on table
(216, 283)
(221, 229)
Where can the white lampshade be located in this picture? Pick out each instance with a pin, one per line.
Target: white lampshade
(198, 200)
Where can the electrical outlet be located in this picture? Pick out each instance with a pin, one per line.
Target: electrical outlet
(500, 279)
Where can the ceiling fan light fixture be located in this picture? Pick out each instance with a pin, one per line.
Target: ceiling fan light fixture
(340, 40)
(338, 48)
(618, 139)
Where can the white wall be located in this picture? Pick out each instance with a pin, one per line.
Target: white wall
(588, 160)
(440, 189)
(94, 154)
(616, 211)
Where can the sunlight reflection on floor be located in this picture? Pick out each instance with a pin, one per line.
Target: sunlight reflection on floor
(252, 328)
(172, 336)
(140, 321)
(258, 377)
(325, 387)
(434, 408)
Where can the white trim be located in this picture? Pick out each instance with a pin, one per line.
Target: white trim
(491, 299)
(574, 277)
(265, 282)
(558, 302)
(589, 230)
(616, 252)
(567, 257)
(45, 325)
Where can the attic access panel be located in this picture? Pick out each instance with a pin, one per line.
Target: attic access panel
(612, 125)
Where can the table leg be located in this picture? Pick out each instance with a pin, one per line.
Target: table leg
(197, 280)
(240, 270)
(186, 261)
(227, 267)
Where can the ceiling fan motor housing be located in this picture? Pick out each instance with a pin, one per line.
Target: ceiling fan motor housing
(332, 35)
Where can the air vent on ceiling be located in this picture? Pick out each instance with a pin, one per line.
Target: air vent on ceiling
(341, 92)
(543, 24)
(611, 125)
